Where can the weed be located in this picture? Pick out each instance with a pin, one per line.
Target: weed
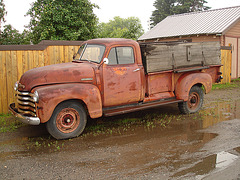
(8, 124)
(234, 83)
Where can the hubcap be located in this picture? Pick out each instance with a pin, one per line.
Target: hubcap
(68, 120)
(193, 101)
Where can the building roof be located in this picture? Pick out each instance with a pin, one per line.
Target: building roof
(216, 21)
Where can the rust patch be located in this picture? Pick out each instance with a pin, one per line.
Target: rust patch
(120, 70)
(76, 73)
(133, 86)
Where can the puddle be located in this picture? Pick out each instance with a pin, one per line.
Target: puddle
(158, 142)
(215, 162)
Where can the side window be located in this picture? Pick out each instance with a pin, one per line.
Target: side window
(112, 56)
(121, 55)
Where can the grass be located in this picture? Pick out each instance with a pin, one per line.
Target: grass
(8, 124)
(234, 84)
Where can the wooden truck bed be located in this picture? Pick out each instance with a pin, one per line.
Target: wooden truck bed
(171, 56)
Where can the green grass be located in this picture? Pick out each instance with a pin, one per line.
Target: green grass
(8, 124)
(234, 84)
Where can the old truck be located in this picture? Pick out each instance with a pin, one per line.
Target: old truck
(114, 76)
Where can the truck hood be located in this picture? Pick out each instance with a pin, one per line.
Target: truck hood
(57, 74)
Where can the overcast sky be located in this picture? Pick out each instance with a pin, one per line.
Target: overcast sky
(16, 9)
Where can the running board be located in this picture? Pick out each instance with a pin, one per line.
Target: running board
(136, 107)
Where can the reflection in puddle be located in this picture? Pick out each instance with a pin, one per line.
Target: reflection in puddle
(215, 162)
(218, 112)
(224, 159)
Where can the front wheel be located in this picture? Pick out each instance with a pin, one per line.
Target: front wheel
(194, 102)
(68, 120)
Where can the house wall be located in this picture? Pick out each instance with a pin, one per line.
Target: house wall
(232, 37)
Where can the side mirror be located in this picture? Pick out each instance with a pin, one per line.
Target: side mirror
(105, 60)
(74, 55)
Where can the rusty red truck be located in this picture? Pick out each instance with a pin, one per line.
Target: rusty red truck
(114, 76)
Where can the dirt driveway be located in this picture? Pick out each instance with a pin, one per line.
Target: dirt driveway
(153, 144)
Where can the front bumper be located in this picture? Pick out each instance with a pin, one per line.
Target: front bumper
(22, 118)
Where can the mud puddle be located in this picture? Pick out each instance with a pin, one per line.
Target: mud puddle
(215, 162)
(154, 143)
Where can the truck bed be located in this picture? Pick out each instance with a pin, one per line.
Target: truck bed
(171, 56)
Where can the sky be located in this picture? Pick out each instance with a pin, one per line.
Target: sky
(16, 10)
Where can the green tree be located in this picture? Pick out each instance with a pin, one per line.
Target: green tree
(62, 20)
(11, 36)
(129, 28)
(2, 12)
(165, 8)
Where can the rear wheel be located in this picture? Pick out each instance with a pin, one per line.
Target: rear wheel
(194, 102)
(68, 120)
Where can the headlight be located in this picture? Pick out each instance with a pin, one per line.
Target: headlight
(16, 86)
(35, 96)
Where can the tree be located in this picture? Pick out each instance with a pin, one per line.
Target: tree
(165, 8)
(129, 28)
(62, 20)
(2, 12)
(11, 36)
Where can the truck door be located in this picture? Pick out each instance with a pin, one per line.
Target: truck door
(121, 78)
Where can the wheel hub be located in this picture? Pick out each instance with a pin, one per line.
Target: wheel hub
(193, 101)
(68, 120)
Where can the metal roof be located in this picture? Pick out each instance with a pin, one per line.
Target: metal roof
(215, 21)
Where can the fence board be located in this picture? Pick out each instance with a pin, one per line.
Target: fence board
(9, 77)
(19, 64)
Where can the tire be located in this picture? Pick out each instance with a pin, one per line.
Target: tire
(194, 102)
(68, 120)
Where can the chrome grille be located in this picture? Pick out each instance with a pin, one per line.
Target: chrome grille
(26, 104)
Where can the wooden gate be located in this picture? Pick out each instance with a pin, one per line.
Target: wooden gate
(226, 60)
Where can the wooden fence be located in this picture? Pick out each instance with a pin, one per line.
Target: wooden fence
(15, 60)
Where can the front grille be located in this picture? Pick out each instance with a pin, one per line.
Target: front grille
(26, 104)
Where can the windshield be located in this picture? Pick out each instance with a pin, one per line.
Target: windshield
(90, 52)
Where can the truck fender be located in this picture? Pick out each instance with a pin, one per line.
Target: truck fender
(187, 81)
(51, 96)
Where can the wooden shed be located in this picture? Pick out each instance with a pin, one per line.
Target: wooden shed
(221, 25)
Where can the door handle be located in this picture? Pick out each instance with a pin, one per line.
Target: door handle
(138, 69)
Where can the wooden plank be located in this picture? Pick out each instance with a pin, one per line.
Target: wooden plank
(14, 75)
(9, 72)
(51, 55)
(66, 53)
(47, 56)
(4, 84)
(61, 54)
(25, 61)
(3, 80)
(30, 60)
(19, 64)
(36, 59)
(56, 54)
(70, 53)
(41, 58)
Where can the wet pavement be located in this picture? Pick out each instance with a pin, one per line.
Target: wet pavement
(152, 144)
